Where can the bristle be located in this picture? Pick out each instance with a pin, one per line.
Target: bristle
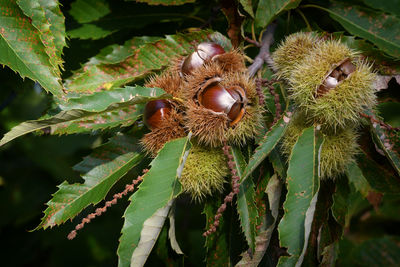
(248, 128)
(169, 81)
(199, 76)
(208, 126)
(342, 105)
(170, 129)
(293, 50)
(337, 152)
(204, 172)
(338, 149)
(296, 125)
(338, 106)
(243, 80)
(232, 61)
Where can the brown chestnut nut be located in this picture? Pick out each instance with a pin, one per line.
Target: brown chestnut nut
(230, 101)
(204, 52)
(155, 112)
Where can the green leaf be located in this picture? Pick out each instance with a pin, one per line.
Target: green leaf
(100, 101)
(341, 202)
(101, 170)
(274, 190)
(302, 185)
(266, 145)
(164, 2)
(267, 10)
(149, 234)
(381, 29)
(86, 122)
(247, 6)
(389, 110)
(278, 162)
(246, 206)
(77, 120)
(383, 63)
(357, 178)
(89, 31)
(49, 21)
(159, 186)
(380, 179)
(84, 11)
(114, 54)
(144, 60)
(22, 50)
(381, 138)
(388, 6)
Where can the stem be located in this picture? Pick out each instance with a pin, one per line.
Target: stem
(264, 55)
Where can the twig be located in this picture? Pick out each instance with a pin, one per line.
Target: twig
(229, 197)
(264, 56)
(99, 211)
(247, 39)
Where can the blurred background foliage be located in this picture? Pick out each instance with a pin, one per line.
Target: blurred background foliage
(32, 166)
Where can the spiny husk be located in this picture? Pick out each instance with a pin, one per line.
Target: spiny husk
(212, 128)
(170, 81)
(338, 149)
(296, 125)
(208, 126)
(232, 61)
(199, 77)
(342, 104)
(292, 50)
(169, 129)
(204, 172)
(251, 123)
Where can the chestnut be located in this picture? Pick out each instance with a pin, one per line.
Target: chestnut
(337, 75)
(155, 112)
(204, 52)
(230, 101)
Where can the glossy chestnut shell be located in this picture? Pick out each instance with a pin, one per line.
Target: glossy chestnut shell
(155, 112)
(230, 101)
(205, 51)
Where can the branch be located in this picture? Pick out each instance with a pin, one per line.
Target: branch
(264, 56)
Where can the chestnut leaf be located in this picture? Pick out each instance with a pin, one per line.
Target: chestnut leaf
(104, 110)
(160, 185)
(49, 21)
(302, 186)
(100, 171)
(147, 58)
(23, 51)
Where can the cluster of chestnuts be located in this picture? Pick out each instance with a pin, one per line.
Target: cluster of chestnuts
(215, 100)
(330, 86)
